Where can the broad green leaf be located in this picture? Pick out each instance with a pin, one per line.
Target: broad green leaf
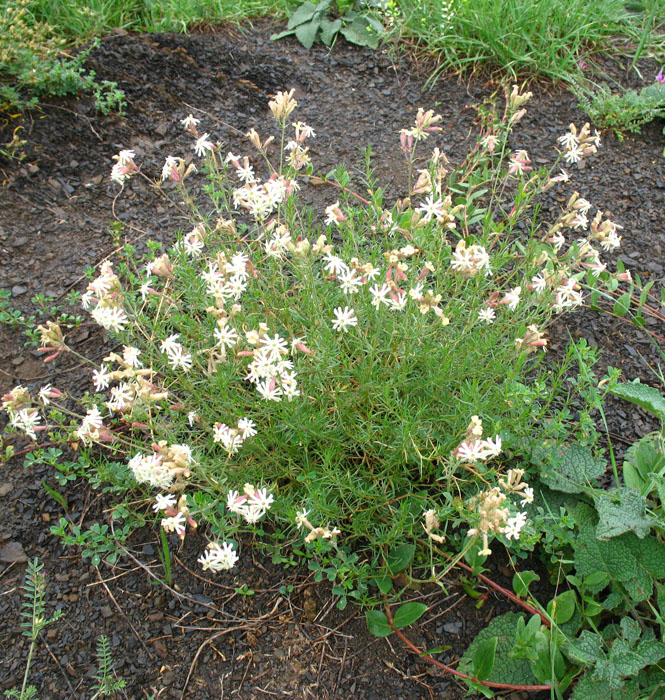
(616, 518)
(377, 623)
(361, 33)
(384, 584)
(399, 558)
(329, 29)
(591, 688)
(408, 613)
(645, 292)
(281, 35)
(522, 580)
(306, 33)
(571, 469)
(562, 608)
(483, 658)
(643, 395)
(305, 13)
(586, 649)
(506, 668)
(622, 304)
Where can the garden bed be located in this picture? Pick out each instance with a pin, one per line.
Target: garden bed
(259, 630)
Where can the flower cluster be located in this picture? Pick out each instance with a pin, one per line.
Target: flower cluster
(578, 145)
(177, 514)
(135, 383)
(270, 372)
(252, 503)
(106, 293)
(124, 166)
(474, 448)
(166, 464)
(315, 533)
(232, 438)
(492, 514)
(218, 557)
(23, 415)
(468, 261)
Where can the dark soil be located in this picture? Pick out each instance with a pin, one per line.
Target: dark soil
(203, 638)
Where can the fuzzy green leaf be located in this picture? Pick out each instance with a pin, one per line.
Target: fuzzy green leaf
(305, 13)
(586, 649)
(306, 33)
(506, 668)
(590, 688)
(616, 518)
(408, 613)
(329, 29)
(643, 395)
(632, 562)
(377, 623)
(361, 33)
(571, 469)
(642, 458)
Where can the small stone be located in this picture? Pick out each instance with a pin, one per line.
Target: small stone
(13, 553)
(17, 290)
(18, 242)
(106, 611)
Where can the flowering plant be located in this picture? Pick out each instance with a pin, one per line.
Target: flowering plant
(326, 372)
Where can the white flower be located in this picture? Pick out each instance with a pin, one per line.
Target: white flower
(131, 356)
(514, 526)
(189, 121)
(170, 163)
(218, 558)
(379, 295)
(112, 318)
(335, 265)
(573, 155)
(226, 336)
(538, 283)
(170, 344)
(349, 281)
(163, 502)
(246, 427)
(432, 208)
(487, 314)
(175, 523)
(202, 145)
(180, 359)
(344, 319)
(26, 420)
(269, 390)
(528, 496)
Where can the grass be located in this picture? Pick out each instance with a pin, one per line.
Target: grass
(527, 39)
(86, 20)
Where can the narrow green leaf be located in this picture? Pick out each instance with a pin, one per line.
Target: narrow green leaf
(408, 613)
(483, 658)
(645, 292)
(281, 35)
(55, 495)
(377, 623)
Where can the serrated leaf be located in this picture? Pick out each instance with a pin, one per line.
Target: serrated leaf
(590, 688)
(306, 33)
(643, 395)
(573, 468)
(399, 558)
(483, 658)
(304, 13)
(329, 29)
(628, 515)
(586, 649)
(408, 613)
(377, 623)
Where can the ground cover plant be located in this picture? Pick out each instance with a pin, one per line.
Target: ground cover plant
(270, 363)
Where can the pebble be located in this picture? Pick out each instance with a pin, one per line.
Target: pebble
(17, 290)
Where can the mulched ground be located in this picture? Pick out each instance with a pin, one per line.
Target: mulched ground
(202, 638)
